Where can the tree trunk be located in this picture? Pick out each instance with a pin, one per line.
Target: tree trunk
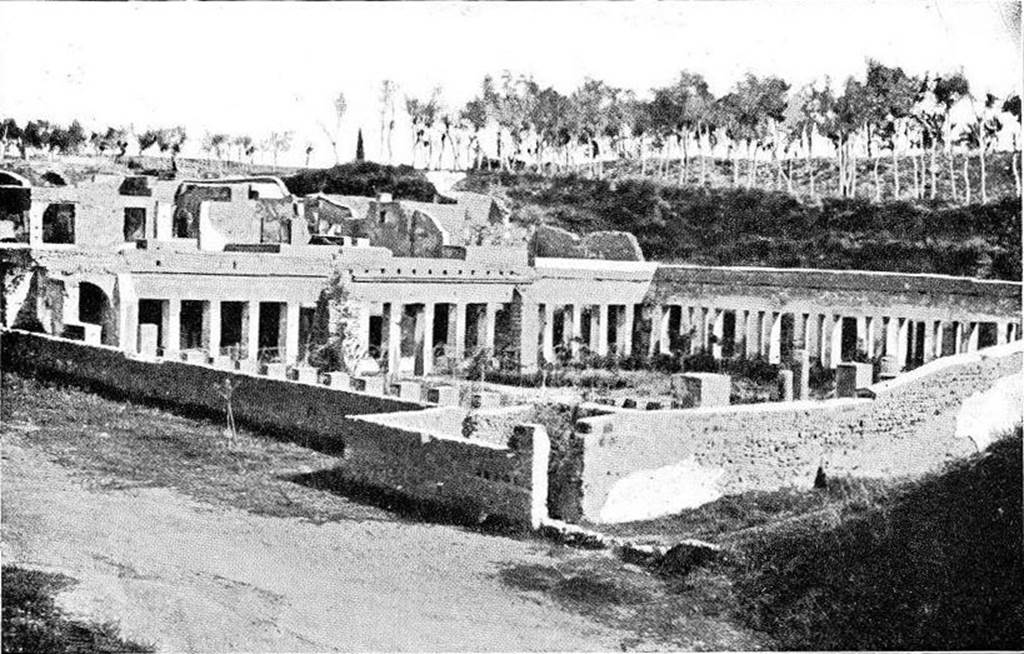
(984, 181)
(952, 174)
(1014, 154)
(935, 172)
(751, 166)
(682, 139)
(701, 131)
(967, 179)
(878, 181)
(895, 173)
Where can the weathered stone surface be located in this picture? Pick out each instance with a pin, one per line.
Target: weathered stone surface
(851, 376)
(338, 379)
(148, 339)
(276, 370)
(786, 385)
(443, 395)
(486, 400)
(305, 374)
(701, 389)
(407, 390)
(372, 385)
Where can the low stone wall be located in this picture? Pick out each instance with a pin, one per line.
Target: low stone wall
(508, 482)
(638, 464)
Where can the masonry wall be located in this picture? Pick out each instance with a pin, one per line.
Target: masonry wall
(908, 429)
(467, 474)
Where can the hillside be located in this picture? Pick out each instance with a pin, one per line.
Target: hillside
(736, 226)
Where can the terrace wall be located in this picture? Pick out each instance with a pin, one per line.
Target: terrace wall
(506, 481)
(632, 459)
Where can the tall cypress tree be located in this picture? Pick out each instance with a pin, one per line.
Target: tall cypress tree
(360, 154)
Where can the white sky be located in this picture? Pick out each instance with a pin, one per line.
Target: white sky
(252, 67)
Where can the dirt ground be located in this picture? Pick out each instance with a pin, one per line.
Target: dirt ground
(185, 576)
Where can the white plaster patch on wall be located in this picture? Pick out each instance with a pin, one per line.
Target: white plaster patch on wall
(987, 415)
(662, 491)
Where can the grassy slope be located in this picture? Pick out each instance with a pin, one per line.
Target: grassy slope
(729, 226)
(33, 623)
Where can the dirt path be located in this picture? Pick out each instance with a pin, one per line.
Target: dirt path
(187, 576)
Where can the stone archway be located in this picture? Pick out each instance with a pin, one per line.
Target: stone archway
(95, 307)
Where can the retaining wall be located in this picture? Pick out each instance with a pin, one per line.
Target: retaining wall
(632, 459)
(505, 481)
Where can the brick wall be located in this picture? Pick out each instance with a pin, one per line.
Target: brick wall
(471, 475)
(908, 429)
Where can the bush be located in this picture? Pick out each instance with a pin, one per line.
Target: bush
(364, 178)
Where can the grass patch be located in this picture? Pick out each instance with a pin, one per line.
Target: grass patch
(33, 623)
(120, 443)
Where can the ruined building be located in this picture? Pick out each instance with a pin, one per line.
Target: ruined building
(232, 271)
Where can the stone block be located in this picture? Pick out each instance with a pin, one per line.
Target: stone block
(251, 366)
(223, 362)
(365, 368)
(305, 374)
(696, 389)
(372, 385)
(629, 403)
(407, 390)
(276, 370)
(148, 339)
(653, 405)
(889, 368)
(443, 395)
(785, 385)
(196, 356)
(486, 400)
(801, 366)
(850, 376)
(92, 334)
(338, 379)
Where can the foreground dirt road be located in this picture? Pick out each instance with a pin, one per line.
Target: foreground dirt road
(187, 576)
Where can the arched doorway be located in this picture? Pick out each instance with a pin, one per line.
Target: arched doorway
(95, 307)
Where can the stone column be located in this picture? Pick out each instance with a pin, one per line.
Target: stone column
(457, 317)
(528, 336)
(929, 340)
(127, 306)
(802, 373)
(490, 309)
(799, 330)
(213, 312)
(626, 337)
(892, 336)
(576, 334)
(940, 337)
(1002, 330)
(71, 302)
(594, 330)
(812, 337)
(165, 325)
(828, 359)
(664, 338)
(548, 337)
(427, 337)
(766, 334)
(602, 329)
(974, 331)
(718, 331)
(902, 341)
(291, 343)
(774, 337)
(172, 335)
(252, 330)
(395, 337)
(753, 340)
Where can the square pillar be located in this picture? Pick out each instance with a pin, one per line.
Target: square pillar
(576, 332)
(626, 337)
(457, 330)
(836, 342)
(1002, 333)
(664, 338)
(753, 341)
(291, 341)
(548, 333)
(172, 339)
(929, 340)
(213, 312)
(892, 337)
(395, 337)
(529, 325)
(940, 337)
(602, 329)
(799, 330)
(252, 343)
(718, 331)
(903, 334)
(490, 309)
(654, 313)
(774, 336)
(427, 336)
(972, 338)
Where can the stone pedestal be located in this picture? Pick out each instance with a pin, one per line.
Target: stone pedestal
(222, 362)
(277, 370)
(486, 400)
(851, 376)
(305, 374)
(443, 395)
(889, 368)
(371, 385)
(407, 390)
(251, 366)
(697, 389)
(196, 356)
(786, 385)
(148, 339)
(801, 366)
(338, 379)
